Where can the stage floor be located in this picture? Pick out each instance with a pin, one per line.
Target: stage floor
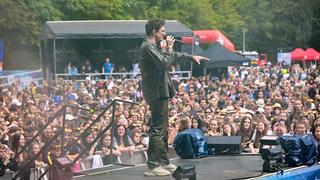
(211, 168)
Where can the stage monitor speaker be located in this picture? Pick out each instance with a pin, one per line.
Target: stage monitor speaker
(223, 144)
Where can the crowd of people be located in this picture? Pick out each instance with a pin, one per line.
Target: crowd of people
(250, 102)
(76, 71)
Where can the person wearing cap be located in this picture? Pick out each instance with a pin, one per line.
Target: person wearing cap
(260, 103)
(276, 109)
(262, 91)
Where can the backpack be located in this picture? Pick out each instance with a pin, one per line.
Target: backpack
(309, 149)
(292, 148)
(190, 143)
(299, 150)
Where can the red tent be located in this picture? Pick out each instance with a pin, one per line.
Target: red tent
(210, 37)
(312, 54)
(298, 54)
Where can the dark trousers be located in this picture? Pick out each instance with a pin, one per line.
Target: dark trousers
(158, 134)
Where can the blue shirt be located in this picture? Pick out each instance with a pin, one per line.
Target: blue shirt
(107, 67)
(73, 71)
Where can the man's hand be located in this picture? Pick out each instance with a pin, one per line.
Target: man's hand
(199, 58)
(170, 41)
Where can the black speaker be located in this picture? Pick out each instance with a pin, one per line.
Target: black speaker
(223, 144)
(185, 171)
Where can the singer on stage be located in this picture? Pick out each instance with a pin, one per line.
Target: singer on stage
(157, 88)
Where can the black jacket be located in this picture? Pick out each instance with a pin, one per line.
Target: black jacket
(155, 65)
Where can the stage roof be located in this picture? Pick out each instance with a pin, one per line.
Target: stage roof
(108, 29)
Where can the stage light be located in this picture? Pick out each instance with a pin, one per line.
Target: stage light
(185, 171)
(271, 153)
(62, 169)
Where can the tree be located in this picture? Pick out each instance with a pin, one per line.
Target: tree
(89, 9)
(44, 10)
(17, 23)
(227, 18)
(273, 25)
(18, 27)
(270, 25)
(315, 36)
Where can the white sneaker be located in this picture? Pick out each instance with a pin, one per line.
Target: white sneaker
(170, 167)
(157, 171)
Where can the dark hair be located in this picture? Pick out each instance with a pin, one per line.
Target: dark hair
(259, 134)
(245, 134)
(15, 142)
(125, 136)
(154, 24)
(100, 145)
(313, 130)
(84, 139)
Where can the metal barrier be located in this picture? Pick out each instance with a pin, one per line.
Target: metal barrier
(35, 173)
(8, 175)
(178, 75)
(138, 157)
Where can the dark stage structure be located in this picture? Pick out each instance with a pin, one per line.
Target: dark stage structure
(94, 40)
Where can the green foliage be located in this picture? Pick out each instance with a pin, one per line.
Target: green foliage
(44, 10)
(275, 25)
(138, 9)
(270, 25)
(195, 14)
(227, 18)
(17, 23)
(88, 9)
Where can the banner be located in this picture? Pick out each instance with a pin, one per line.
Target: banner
(1, 54)
(284, 58)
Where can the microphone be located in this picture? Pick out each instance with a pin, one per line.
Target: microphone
(165, 37)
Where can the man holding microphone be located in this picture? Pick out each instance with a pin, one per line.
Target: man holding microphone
(157, 88)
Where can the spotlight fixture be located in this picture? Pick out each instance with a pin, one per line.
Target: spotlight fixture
(271, 153)
(185, 171)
